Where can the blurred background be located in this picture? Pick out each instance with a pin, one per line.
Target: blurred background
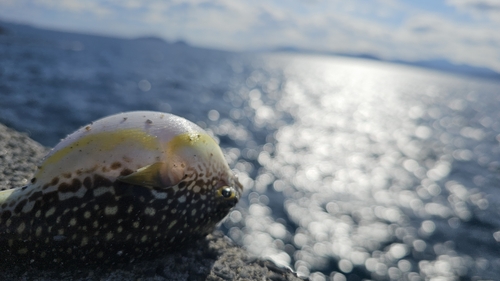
(462, 32)
(366, 133)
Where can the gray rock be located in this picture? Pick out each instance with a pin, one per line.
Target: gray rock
(212, 258)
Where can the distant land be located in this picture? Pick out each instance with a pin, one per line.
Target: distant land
(434, 64)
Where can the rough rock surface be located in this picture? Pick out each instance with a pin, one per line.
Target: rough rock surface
(212, 258)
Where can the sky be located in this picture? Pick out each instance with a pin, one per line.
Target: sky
(460, 31)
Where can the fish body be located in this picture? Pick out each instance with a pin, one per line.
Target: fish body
(126, 186)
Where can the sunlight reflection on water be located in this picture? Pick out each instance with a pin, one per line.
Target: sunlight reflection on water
(352, 168)
(370, 171)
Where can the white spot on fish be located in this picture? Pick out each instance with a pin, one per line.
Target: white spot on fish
(21, 228)
(109, 236)
(101, 190)
(59, 238)
(38, 231)
(150, 211)
(28, 207)
(67, 195)
(172, 224)
(50, 212)
(22, 251)
(111, 210)
(159, 195)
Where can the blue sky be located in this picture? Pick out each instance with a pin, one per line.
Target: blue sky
(461, 31)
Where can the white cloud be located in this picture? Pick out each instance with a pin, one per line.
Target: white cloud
(75, 6)
(476, 4)
(478, 8)
(435, 37)
(388, 28)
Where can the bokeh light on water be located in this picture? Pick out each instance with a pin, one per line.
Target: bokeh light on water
(353, 169)
(384, 171)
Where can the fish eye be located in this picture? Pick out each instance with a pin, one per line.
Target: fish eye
(226, 192)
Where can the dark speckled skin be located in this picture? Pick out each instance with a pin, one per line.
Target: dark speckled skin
(88, 217)
(122, 226)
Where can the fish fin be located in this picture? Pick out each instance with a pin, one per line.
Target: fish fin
(147, 176)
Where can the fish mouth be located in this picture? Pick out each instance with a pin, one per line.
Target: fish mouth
(238, 188)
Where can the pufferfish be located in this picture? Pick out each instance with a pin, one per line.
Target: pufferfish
(129, 185)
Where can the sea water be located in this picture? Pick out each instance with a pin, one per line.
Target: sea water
(352, 168)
